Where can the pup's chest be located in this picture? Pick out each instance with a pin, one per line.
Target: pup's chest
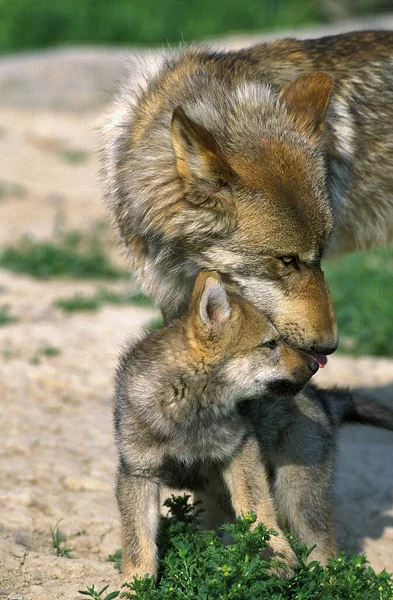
(207, 441)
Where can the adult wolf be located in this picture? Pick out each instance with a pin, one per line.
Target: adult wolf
(256, 163)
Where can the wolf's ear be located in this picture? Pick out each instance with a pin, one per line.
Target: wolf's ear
(210, 303)
(198, 156)
(307, 99)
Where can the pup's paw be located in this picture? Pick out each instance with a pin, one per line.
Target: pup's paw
(280, 549)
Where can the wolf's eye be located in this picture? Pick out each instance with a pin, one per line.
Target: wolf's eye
(289, 261)
(271, 344)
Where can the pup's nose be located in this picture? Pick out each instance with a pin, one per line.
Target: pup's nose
(314, 366)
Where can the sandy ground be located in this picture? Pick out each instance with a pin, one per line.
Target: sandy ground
(57, 453)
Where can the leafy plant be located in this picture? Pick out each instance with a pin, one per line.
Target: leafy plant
(58, 542)
(195, 565)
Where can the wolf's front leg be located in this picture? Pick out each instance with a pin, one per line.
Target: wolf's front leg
(138, 500)
(249, 489)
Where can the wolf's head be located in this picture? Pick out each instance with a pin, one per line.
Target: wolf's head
(238, 348)
(255, 206)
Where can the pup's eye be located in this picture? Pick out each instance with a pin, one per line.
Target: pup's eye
(289, 260)
(271, 344)
(221, 183)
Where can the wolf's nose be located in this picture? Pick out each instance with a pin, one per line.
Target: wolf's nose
(325, 348)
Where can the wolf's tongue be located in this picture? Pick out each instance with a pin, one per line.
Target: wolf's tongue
(320, 358)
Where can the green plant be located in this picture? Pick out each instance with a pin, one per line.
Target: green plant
(195, 565)
(58, 542)
(72, 254)
(98, 595)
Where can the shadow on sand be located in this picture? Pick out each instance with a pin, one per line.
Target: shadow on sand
(364, 481)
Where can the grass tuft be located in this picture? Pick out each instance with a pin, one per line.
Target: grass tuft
(58, 542)
(9, 189)
(73, 156)
(5, 317)
(72, 254)
(97, 595)
(80, 301)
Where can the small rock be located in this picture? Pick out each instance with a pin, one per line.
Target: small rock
(23, 538)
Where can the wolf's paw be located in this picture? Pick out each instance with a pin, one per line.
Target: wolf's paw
(280, 549)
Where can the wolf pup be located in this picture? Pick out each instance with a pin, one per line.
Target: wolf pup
(255, 163)
(208, 404)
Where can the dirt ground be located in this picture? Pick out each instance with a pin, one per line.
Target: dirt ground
(57, 452)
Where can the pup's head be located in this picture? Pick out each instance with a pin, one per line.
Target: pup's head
(255, 202)
(239, 348)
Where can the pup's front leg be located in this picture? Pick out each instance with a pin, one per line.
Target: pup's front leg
(304, 502)
(249, 489)
(139, 505)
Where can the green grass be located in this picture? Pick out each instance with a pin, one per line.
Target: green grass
(9, 189)
(49, 351)
(361, 286)
(30, 24)
(154, 323)
(73, 156)
(71, 254)
(116, 559)
(81, 302)
(59, 542)
(5, 317)
(195, 565)
(78, 302)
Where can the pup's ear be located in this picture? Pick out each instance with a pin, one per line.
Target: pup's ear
(198, 156)
(307, 99)
(210, 303)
